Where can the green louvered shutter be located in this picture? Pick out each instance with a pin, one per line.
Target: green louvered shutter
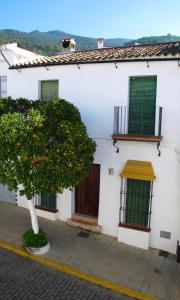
(49, 89)
(142, 105)
(137, 202)
(48, 201)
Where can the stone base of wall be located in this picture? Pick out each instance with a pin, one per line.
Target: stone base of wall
(133, 237)
(53, 216)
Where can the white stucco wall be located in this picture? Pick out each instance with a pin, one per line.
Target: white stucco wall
(134, 237)
(166, 193)
(95, 89)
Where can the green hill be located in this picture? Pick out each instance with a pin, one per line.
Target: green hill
(48, 43)
(153, 39)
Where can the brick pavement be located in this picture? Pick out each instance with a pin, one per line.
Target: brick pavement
(22, 279)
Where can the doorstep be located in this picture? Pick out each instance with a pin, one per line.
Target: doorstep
(84, 222)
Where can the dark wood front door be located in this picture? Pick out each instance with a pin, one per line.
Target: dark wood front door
(87, 193)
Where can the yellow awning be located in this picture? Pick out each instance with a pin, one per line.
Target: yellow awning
(137, 169)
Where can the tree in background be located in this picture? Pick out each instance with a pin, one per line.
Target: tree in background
(44, 148)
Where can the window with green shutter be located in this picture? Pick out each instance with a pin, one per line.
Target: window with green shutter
(49, 89)
(137, 202)
(142, 105)
(48, 201)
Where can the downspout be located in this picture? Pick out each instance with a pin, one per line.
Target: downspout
(1, 51)
(177, 151)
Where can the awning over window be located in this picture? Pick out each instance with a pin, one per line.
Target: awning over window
(136, 169)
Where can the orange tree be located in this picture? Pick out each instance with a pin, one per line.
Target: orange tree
(44, 146)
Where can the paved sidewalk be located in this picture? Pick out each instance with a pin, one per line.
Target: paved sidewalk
(99, 255)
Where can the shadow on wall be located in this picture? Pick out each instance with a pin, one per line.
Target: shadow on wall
(6, 195)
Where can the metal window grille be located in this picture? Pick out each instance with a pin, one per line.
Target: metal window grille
(46, 201)
(135, 203)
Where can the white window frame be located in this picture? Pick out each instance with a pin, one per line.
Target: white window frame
(4, 95)
(39, 86)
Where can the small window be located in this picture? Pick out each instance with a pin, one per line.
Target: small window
(49, 89)
(48, 201)
(3, 86)
(136, 194)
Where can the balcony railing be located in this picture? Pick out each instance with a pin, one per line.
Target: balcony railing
(133, 124)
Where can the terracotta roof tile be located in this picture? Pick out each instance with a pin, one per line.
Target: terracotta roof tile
(163, 50)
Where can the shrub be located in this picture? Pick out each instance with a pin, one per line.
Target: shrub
(30, 239)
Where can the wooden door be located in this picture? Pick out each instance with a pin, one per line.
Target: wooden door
(87, 193)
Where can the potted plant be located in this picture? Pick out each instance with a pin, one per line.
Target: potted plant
(35, 243)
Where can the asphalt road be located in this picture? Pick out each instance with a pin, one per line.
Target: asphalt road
(23, 279)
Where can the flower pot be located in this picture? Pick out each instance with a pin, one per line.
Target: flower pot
(38, 251)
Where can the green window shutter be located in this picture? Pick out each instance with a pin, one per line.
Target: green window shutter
(137, 202)
(48, 201)
(142, 105)
(49, 89)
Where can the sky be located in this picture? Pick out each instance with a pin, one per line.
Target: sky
(93, 18)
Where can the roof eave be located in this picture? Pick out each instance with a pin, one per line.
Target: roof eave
(144, 59)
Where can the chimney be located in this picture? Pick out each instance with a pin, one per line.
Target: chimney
(100, 43)
(68, 45)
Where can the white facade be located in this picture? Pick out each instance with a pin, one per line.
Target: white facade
(95, 89)
(11, 54)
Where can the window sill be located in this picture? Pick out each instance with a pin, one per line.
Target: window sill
(52, 210)
(129, 226)
(141, 138)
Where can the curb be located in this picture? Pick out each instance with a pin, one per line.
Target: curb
(117, 288)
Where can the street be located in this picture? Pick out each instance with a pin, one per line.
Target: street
(21, 279)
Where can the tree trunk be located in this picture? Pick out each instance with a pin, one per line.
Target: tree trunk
(34, 220)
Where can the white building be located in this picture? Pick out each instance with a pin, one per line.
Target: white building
(11, 54)
(143, 84)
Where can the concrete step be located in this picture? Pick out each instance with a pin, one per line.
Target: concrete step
(85, 218)
(84, 225)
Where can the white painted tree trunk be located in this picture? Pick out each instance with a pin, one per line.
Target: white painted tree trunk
(34, 220)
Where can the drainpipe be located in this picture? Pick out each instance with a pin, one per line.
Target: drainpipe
(177, 151)
(1, 51)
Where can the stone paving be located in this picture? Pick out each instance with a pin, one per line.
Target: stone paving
(99, 255)
(22, 279)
